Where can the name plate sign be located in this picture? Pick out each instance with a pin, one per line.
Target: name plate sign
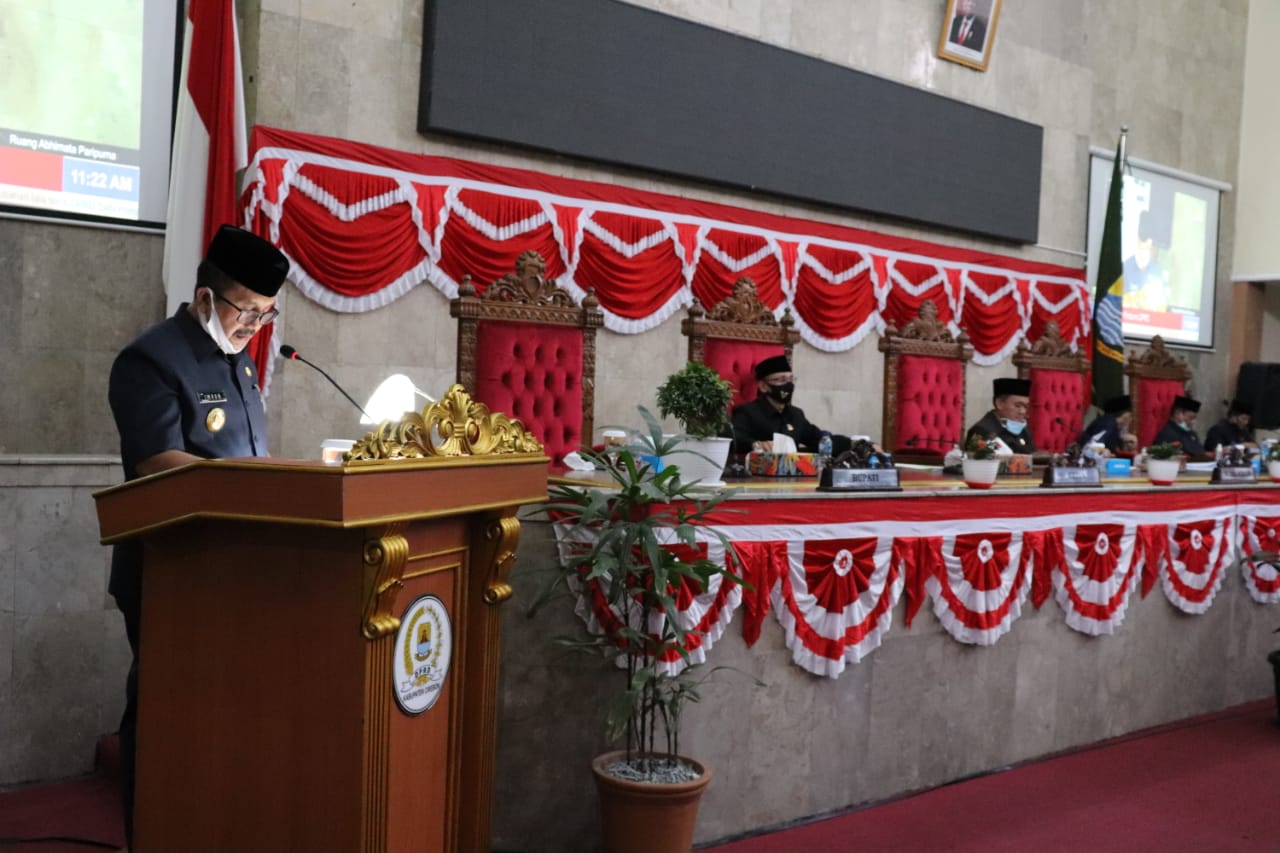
(1071, 477)
(860, 480)
(1234, 474)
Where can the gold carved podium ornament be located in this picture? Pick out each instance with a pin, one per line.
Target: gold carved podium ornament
(455, 426)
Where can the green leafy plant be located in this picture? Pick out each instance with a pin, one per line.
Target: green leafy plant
(1273, 452)
(698, 398)
(634, 545)
(980, 447)
(1165, 450)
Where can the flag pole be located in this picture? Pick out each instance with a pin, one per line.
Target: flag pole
(1107, 363)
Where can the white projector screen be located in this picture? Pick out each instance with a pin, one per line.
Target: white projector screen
(86, 108)
(1169, 241)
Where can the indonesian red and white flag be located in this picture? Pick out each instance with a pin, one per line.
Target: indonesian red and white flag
(210, 144)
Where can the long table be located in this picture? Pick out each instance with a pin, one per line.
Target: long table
(832, 567)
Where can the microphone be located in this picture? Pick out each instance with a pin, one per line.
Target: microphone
(292, 354)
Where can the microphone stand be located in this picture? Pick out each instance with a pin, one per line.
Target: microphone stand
(293, 355)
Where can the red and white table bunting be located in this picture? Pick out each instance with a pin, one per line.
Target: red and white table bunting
(833, 585)
(1259, 531)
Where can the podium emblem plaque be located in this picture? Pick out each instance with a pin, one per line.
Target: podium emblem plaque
(424, 649)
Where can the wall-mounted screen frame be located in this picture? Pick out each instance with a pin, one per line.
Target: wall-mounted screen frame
(86, 109)
(1169, 242)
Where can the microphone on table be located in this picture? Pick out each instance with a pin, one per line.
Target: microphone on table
(293, 355)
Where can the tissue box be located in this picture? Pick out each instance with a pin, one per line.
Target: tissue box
(1018, 463)
(764, 464)
(1119, 467)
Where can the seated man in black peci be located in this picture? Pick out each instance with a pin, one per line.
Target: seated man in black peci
(1111, 428)
(1181, 426)
(755, 423)
(1233, 429)
(1008, 419)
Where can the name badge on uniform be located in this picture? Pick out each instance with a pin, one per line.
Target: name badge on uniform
(215, 420)
(208, 398)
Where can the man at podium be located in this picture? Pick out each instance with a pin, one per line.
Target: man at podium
(186, 390)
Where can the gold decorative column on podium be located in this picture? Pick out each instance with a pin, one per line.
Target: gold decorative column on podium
(286, 702)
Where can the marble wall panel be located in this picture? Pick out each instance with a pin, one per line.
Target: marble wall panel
(58, 568)
(59, 683)
(10, 501)
(275, 85)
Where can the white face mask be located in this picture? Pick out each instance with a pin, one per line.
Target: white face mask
(213, 326)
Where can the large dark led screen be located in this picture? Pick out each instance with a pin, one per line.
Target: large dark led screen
(614, 83)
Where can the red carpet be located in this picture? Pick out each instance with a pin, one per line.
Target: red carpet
(73, 816)
(1208, 784)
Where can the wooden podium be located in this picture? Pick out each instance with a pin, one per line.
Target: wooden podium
(319, 654)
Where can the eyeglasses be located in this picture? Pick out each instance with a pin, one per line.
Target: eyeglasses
(247, 315)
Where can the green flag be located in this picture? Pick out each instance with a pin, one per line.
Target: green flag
(1108, 295)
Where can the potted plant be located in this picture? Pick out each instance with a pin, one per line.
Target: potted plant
(980, 464)
(698, 398)
(631, 547)
(1273, 461)
(1164, 458)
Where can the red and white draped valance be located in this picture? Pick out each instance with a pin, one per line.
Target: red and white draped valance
(363, 225)
(833, 571)
(1259, 533)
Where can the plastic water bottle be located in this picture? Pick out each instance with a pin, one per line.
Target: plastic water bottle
(824, 452)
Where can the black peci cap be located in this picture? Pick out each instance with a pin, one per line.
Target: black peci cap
(248, 259)
(772, 365)
(1116, 405)
(1185, 404)
(1011, 387)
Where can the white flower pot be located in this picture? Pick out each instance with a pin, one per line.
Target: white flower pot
(980, 473)
(1273, 470)
(1162, 472)
(701, 460)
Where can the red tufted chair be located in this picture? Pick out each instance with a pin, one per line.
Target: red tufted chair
(1057, 389)
(1156, 376)
(525, 349)
(924, 383)
(739, 333)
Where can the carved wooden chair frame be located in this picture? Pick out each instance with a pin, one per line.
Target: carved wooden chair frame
(1051, 352)
(926, 335)
(1155, 362)
(741, 316)
(526, 296)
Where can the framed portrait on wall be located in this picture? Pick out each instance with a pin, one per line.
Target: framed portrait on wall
(969, 31)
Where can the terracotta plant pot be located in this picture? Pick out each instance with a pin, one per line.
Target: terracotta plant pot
(1163, 472)
(1274, 659)
(643, 817)
(980, 473)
